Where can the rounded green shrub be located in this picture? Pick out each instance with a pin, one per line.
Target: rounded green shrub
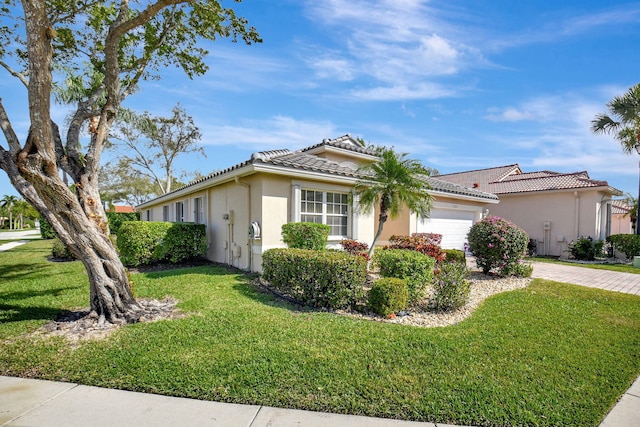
(305, 235)
(498, 245)
(414, 267)
(455, 255)
(388, 295)
(451, 287)
(60, 251)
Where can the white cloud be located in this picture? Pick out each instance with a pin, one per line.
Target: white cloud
(274, 133)
(400, 47)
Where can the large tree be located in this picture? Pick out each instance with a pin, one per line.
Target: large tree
(97, 52)
(149, 145)
(391, 183)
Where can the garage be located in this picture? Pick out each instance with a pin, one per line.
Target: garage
(452, 224)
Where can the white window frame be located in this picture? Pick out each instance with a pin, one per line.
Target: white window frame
(324, 190)
(179, 211)
(199, 216)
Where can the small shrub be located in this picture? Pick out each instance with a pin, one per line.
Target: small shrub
(414, 267)
(451, 287)
(628, 244)
(60, 251)
(585, 249)
(355, 248)
(305, 235)
(46, 230)
(497, 244)
(455, 255)
(388, 295)
(425, 243)
(327, 279)
(523, 269)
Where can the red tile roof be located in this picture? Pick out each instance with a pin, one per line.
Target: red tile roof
(123, 209)
(510, 179)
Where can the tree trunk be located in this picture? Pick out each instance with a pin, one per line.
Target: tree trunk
(382, 218)
(79, 222)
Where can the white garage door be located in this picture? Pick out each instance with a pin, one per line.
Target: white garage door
(453, 224)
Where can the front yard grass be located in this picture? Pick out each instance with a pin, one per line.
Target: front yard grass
(549, 354)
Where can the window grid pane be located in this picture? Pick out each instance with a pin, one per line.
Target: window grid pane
(325, 208)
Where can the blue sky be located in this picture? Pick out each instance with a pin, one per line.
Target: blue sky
(458, 85)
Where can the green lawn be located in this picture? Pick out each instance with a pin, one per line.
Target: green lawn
(624, 268)
(550, 354)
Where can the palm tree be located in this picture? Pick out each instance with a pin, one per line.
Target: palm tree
(625, 124)
(8, 202)
(392, 182)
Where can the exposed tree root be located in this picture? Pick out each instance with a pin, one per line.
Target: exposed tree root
(82, 324)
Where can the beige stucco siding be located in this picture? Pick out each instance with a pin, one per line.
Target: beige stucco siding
(555, 219)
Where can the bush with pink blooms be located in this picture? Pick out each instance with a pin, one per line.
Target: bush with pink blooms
(498, 246)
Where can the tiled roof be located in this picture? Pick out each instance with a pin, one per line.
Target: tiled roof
(345, 142)
(620, 207)
(301, 160)
(510, 180)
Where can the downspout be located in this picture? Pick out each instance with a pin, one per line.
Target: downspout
(249, 241)
(576, 227)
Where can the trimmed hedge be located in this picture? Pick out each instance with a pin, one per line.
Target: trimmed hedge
(628, 244)
(147, 242)
(117, 218)
(498, 245)
(326, 279)
(306, 235)
(414, 267)
(388, 296)
(46, 230)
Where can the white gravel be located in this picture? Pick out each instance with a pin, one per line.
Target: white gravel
(482, 287)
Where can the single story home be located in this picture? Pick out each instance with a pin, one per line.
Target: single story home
(245, 205)
(621, 214)
(552, 207)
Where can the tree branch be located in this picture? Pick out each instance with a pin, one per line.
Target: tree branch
(15, 74)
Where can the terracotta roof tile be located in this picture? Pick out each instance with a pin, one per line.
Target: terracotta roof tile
(510, 179)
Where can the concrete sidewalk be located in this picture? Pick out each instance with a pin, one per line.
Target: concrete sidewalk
(25, 402)
(21, 237)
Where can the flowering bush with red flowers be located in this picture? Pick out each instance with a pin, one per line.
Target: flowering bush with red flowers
(498, 245)
(426, 243)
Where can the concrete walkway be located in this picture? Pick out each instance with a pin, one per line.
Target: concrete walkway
(27, 402)
(20, 237)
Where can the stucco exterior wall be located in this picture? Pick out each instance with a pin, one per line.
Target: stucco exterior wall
(555, 219)
(621, 224)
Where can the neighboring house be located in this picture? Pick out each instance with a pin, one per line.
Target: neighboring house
(553, 208)
(621, 217)
(245, 206)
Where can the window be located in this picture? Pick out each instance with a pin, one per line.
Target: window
(325, 208)
(165, 213)
(198, 211)
(148, 214)
(179, 212)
